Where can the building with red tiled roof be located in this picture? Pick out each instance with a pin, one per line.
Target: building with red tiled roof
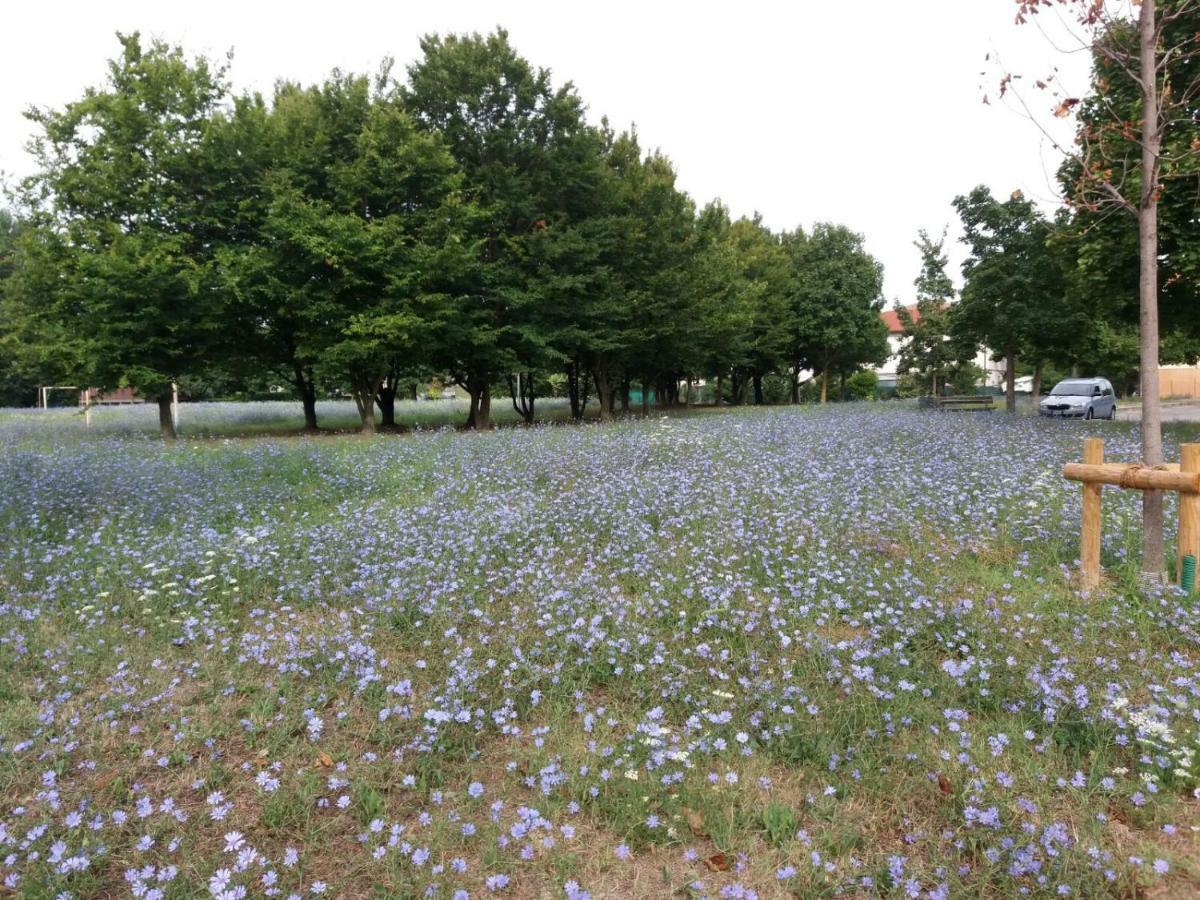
(891, 318)
(888, 373)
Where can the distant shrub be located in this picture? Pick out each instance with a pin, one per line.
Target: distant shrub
(862, 385)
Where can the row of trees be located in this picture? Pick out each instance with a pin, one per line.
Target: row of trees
(466, 221)
(1042, 295)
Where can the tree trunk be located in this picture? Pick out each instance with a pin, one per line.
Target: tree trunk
(795, 388)
(308, 397)
(573, 391)
(824, 385)
(759, 400)
(309, 402)
(584, 387)
(483, 415)
(687, 401)
(842, 388)
(386, 398)
(600, 375)
(364, 390)
(1152, 501)
(626, 384)
(1010, 380)
(719, 399)
(480, 416)
(1035, 389)
(646, 396)
(935, 384)
(520, 389)
(166, 418)
(366, 411)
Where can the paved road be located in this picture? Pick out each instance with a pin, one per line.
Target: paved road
(1181, 412)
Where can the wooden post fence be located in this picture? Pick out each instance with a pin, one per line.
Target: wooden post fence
(1182, 477)
(1089, 552)
(1189, 509)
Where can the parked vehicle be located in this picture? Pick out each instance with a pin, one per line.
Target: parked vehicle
(1080, 398)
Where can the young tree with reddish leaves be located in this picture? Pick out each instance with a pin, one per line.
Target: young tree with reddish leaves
(1128, 152)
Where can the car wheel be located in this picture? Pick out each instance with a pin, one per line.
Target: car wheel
(1112, 414)
(1088, 415)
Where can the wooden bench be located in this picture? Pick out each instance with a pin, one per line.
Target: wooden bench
(969, 401)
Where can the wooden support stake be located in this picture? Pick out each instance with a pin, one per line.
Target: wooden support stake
(1089, 553)
(1189, 510)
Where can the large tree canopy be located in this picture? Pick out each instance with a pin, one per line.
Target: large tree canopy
(930, 352)
(1012, 298)
(526, 153)
(341, 267)
(836, 298)
(125, 185)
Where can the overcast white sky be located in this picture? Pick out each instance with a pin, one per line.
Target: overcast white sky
(867, 113)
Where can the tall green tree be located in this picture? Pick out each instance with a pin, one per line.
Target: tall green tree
(15, 388)
(743, 276)
(341, 269)
(124, 183)
(277, 154)
(582, 315)
(657, 240)
(722, 311)
(38, 345)
(836, 298)
(509, 129)
(930, 350)
(1014, 288)
(763, 270)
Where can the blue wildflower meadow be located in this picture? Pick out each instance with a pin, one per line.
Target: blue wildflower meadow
(757, 654)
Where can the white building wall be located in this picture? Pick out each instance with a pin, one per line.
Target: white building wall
(889, 372)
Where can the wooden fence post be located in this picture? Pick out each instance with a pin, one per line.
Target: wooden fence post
(1089, 552)
(1189, 510)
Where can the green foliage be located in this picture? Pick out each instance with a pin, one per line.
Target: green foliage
(368, 803)
(1103, 236)
(964, 379)
(777, 388)
(742, 323)
(122, 210)
(930, 354)
(835, 303)
(862, 385)
(342, 261)
(529, 163)
(18, 382)
(779, 825)
(1014, 296)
